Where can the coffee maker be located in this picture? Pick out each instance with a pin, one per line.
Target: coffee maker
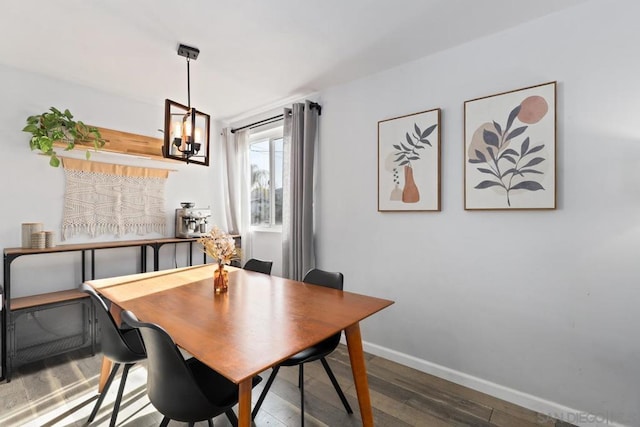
(191, 221)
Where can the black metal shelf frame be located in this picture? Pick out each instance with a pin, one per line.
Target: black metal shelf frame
(9, 343)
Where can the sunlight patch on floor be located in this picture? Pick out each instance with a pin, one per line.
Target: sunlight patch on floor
(76, 410)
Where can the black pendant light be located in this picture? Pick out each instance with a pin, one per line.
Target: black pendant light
(186, 130)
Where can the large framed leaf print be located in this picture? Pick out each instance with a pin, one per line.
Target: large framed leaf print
(510, 150)
(409, 162)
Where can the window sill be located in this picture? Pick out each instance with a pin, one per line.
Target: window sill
(277, 229)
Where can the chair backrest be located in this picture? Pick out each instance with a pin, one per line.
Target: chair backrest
(171, 387)
(327, 279)
(258, 266)
(114, 344)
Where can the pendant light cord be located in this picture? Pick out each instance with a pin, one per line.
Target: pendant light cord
(188, 86)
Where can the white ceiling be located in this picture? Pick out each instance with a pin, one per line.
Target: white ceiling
(253, 53)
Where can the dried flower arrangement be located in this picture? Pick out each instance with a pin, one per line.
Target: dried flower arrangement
(219, 246)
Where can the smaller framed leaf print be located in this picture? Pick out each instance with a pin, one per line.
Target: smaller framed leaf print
(510, 150)
(409, 162)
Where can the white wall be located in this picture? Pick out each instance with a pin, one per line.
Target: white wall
(267, 245)
(32, 191)
(539, 307)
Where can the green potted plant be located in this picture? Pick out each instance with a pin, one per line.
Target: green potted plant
(57, 126)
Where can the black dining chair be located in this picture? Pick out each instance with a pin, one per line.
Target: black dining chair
(183, 390)
(316, 352)
(258, 266)
(120, 345)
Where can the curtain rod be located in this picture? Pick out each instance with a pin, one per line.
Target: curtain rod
(275, 118)
(261, 122)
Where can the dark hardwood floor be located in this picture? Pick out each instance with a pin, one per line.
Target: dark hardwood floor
(61, 391)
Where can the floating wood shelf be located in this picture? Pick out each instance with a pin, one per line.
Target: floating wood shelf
(126, 143)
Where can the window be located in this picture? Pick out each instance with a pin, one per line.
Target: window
(266, 160)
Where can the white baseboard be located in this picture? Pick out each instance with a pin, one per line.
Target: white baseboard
(537, 404)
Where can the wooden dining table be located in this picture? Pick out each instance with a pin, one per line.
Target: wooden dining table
(261, 321)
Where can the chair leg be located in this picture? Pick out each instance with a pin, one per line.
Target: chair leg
(210, 423)
(300, 375)
(334, 381)
(231, 416)
(165, 422)
(96, 408)
(265, 390)
(116, 406)
(301, 385)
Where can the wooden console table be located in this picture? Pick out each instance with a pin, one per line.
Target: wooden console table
(71, 296)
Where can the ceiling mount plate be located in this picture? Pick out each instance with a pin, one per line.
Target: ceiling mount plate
(188, 51)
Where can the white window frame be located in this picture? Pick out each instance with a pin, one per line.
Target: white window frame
(272, 134)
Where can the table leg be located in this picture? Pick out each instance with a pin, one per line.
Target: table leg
(359, 370)
(244, 403)
(104, 373)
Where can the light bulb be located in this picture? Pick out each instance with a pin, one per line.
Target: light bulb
(187, 128)
(177, 129)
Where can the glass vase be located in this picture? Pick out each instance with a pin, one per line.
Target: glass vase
(220, 279)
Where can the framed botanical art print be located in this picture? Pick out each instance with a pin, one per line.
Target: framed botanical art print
(510, 150)
(409, 162)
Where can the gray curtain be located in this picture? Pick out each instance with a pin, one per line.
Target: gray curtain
(230, 181)
(236, 181)
(300, 140)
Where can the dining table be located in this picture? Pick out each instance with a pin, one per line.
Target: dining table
(259, 322)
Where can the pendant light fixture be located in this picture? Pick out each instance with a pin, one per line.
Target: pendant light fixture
(186, 130)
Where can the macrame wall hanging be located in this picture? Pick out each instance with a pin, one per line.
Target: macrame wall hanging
(104, 198)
